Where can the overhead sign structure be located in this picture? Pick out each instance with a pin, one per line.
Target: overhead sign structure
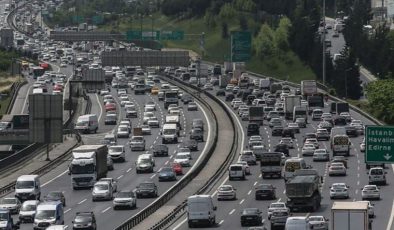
(73, 36)
(46, 118)
(379, 144)
(93, 79)
(145, 58)
(241, 44)
(142, 35)
(172, 35)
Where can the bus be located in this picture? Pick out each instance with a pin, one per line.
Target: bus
(340, 144)
(37, 71)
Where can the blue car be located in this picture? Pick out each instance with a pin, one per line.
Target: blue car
(167, 174)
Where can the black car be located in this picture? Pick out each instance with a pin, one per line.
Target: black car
(253, 129)
(265, 191)
(351, 131)
(288, 132)
(277, 131)
(146, 189)
(221, 92)
(229, 97)
(160, 150)
(167, 174)
(340, 120)
(250, 99)
(84, 220)
(197, 134)
(198, 123)
(251, 217)
(187, 98)
(190, 144)
(283, 148)
(56, 196)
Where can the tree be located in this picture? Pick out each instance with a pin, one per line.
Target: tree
(245, 5)
(224, 30)
(264, 45)
(379, 93)
(243, 23)
(282, 34)
(209, 19)
(227, 11)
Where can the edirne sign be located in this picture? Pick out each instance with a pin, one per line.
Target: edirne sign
(379, 144)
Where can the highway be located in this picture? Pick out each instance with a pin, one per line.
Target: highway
(229, 212)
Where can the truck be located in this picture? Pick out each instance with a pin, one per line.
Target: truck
(342, 107)
(202, 71)
(302, 191)
(170, 97)
(256, 114)
(228, 67)
(200, 211)
(224, 80)
(243, 81)
(308, 88)
(315, 102)
(137, 131)
(290, 102)
(275, 87)
(173, 119)
(88, 165)
(238, 69)
(265, 84)
(271, 164)
(340, 144)
(350, 216)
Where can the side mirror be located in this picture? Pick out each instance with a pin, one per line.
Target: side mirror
(72, 222)
(215, 208)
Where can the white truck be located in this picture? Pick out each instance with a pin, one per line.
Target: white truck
(173, 119)
(224, 80)
(169, 133)
(200, 210)
(350, 216)
(308, 88)
(265, 84)
(290, 102)
(228, 67)
(88, 165)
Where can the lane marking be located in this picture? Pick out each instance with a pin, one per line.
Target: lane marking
(128, 170)
(231, 212)
(242, 201)
(82, 201)
(26, 97)
(151, 177)
(105, 210)
(250, 191)
(61, 174)
(119, 177)
(101, 108)
(221, 222)
(66, 211)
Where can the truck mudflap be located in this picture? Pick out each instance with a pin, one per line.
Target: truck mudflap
(309, 203)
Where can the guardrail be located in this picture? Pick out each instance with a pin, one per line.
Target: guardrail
(218, 174)
(14, 94)
(169, 194)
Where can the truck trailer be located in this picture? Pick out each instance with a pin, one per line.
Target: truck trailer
(350, 216)
(308, 88)
(256, 114)
(290, 102)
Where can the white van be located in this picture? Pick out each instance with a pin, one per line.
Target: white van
(28, 187)
(170, 133)
(28, 211)
(236, 171)
(200, 210)
(38, 91)
(377, 175)
(48, 213)
(297, 223)
(87, 123)
(291, 165)
(57, 227)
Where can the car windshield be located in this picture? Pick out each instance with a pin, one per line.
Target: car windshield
(8, 201)
(371, 188)
(83, 219)
(115, 149)
(316, 218)
(4, 216)
(28, 207)
(249, 211)
(144, 161)
(277, 205)
(166, 170)
(147, 185)
(264, 187)
(45, 214)
(225, 188)
(101, 187)
(169, 131)
(24, 184)
(125, 194)
(339, 186)
(54, 195)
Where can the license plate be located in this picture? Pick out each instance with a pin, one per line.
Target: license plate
(249, 218)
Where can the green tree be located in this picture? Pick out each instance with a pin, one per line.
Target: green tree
(243, 23)
(224, 30)
(245, 5)
(264, 44)
(282, 34)
(379, 94)
(210, 19)
(227, 11)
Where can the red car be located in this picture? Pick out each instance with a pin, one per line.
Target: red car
(110, 107)
(177, 168)
(58, 87)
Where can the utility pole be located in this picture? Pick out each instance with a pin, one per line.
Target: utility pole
(324, 42)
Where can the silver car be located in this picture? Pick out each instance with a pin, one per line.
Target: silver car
(226, 192)
(102, 190)
(10, 203)
(125, 199)
(318, 222)
(321, 155)
(339, 190)
(27, 211)
(370, 192)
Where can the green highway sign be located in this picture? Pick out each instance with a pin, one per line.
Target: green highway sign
(172, 35)
(241, 44)
(144, 35)
(379, 144)
(78, 19)
(98, 19)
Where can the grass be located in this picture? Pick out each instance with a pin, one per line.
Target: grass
(4, 104)
(6, 82)
(287, 66)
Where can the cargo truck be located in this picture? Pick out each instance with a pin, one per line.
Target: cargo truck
(265, 84)
(256, 114)
(342, 107)
(290, 103)
(350, 216)
(271, 164)
(243, 81)
(228, 67)
(308, 88)
(238, 69)
(170, 97)
(173, 119)
(88, 165)
(302, 191)
(224, 80)
(315, 102)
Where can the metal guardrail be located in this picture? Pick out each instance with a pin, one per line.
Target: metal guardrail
(169, 194)
(175, 213)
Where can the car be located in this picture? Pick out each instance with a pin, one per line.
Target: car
(308, 150)
(370, 192)
(113, 182)
(245, 165)
(190, 144)
(102, 190)
(255, 138)
(11, 204)
(313, 141)
(110, 119)
(229, 97)
(155, 90)
(275, 122)
(110, 106)
(339, 159)
(335, 34)
(167, 174)
(131, 113)
(160, 150)
(146, 130)
(226, 192)
(56, 196)
(337, 169)
(276, 206)
(251, 217)
(123, 131)
(137, 143)
(83, 219)
(351, 131)
(283, 148)
(294, 127)
(287, 141)
(339, 190)
(197, 134)
(322, 134)
(248, 156)
(347, 116)
(221, 92)
(125, 199)
(278, 218)
(150, 104)
(318, 222)
(146, 189)
(182, 158)
(321, 155)
(277, 131)
(187, 98)
(309, 135)
(265, 191)
(192, 106)
(301, 122)
(177, 168)
(117, 153)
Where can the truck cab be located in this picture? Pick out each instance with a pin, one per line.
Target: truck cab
(169, 133)
(7, 223)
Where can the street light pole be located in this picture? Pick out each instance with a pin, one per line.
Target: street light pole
(324, 42)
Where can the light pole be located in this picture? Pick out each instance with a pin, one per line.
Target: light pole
(324, 42)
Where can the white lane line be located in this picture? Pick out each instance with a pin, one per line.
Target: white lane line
(243, 200)
(358, 183)
(82, 201)
(356, 192)
(255, 183)
(61, 174)
(279, 200)
(119, 177)
(128, 170)
(151, 177)
(101, 108)
(221, 222)
(166, 162)
(105, 210)
(231, 212)
(66, 211)
(250, 191)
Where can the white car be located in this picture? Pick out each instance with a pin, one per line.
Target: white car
(226, 192)
(113, 182)
(276, 206)
(318, 223)
(248, 156)
(337, 169)
(370, 192)
(313, 141)
(123, 131)
(183, 159)
(287, 141)
(102, 191)
(154, 122)
(246, 166)
(321, 155)
(308, 149)
(117, 152)
(125, 198)
(146, 130)
(339, 190)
